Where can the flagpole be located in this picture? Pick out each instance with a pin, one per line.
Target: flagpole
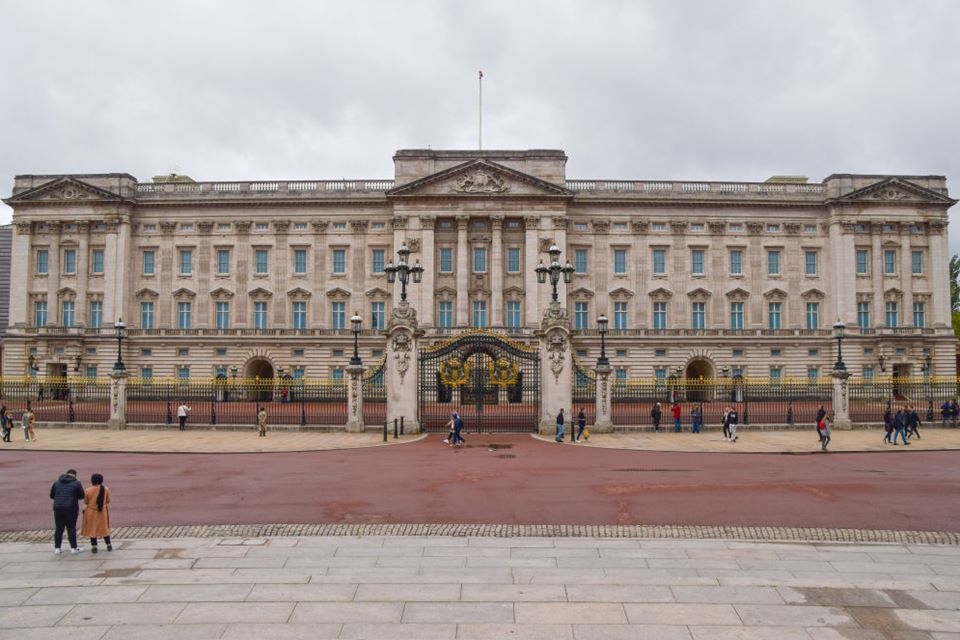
(480, 114)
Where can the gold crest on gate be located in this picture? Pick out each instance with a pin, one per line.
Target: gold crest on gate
(503, 373)
(454, 373)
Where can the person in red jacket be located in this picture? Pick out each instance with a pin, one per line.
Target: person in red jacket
(676, 411)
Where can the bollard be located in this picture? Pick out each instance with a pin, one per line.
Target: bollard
(395, 434)
(401, 425)
(384, 430)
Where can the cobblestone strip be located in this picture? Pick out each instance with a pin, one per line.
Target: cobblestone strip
(788, 534)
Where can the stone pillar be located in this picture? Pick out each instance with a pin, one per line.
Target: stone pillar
(463, 273)
(556, 362)
(603, 422)
(81, 315)
(496, 273)
(531, 253)
(355, 398)
(402, 366)
(428, 262)
(22, 260)
(841, 399)
(118, 400)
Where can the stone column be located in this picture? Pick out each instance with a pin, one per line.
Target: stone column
(603, 422)
(841, 399)
(355, 398)
(81, 315)
(21, 261)
(531, 253)
(402, 366)
(496, 273)
(939, 270)
(118, 400)
(463, 273)
(906, 274)
(428, 262)
(556, 362)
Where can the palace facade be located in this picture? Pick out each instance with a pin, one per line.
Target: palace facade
(698, 279)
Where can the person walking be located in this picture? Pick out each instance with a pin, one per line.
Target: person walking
(96, 513)
(677, 412)
(913, 422)
(656, 413)
(262, 422)
(65, 493)
(726, 423)
(887, 425)
(954, 411)
(28, 419)
(946, 412)
(581, 424)
(824, 428)
(182, 412)
(696, 417)
(4, 424)
(821, 412)
(559, 437)
(899, 426)
(458, 425)
(732, 420)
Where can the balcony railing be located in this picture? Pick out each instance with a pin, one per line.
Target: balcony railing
(294, 188)
(668, 188)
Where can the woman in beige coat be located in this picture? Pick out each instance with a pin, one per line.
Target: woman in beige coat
(96, 514)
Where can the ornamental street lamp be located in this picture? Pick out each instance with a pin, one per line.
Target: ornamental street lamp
(404, 271)
(119, 327)
(355, 323)
(555, 271)
(838, 330)
(602, 321)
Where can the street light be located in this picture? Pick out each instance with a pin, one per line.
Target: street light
(355, 323)
(555, 270)
(404, 271)
(928, 374)
(119, 327)
(602, 321)
(838, 330)
(77, 360)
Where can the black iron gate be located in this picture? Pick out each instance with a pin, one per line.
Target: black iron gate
(492, 381)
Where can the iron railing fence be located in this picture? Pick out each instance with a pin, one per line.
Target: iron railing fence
(52, 399)
(375, 395)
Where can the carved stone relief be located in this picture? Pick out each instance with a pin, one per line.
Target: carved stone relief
(480, 181)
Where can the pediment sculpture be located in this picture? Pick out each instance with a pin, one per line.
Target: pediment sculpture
(480, 181)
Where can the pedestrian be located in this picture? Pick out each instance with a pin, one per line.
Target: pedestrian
(450, 426)
(732, 420)
(946, 412)
(656, 414)
(28, 419)
(887, 425)
(581, 423)
(726, 423)
(913, 422)
(96, 513)
(560, 426)
(697, 418)
(182, 412)
(824, 428)
(262, 422)
(954, 411)
(4, 424)
(677, 412)
(458, 440)
(899, 426)
(821, 412)
(65, 493)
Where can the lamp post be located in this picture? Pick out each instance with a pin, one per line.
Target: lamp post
(119, 327)
(602, 321)
(233, 375)
(355, 323)
(555, 271)
(404, 271)
(838, 330)
(928, 374)
(77, 360)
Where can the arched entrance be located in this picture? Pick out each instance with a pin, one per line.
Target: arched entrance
(698, 370)
(259, 374)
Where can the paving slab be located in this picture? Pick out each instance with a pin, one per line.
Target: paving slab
(282, 632)
(166, 632)
(235, 612)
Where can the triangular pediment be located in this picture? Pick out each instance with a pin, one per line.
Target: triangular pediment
(260, 292)
(581, 293)
(337, 292)
(183, 292)
(146, 292)
(813, 294)
(894, 190)
(65, 190)
(775, 294)
(738, 294)
(377, 292)
(513, 291)
(700, 293)
(661, 292)
(480, 178)
(621, 293)
(298, 292)
(220, 292)
(66, 291)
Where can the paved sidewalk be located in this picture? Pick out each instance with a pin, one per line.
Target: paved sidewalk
(480, 587)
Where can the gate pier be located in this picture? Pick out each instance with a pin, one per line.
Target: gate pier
(402, 365)
(556, 362)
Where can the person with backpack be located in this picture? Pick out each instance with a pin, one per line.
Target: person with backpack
(732, 420)
(581, 424)
(656, 414)
(65, 493)
(913, 422)
(946, 412)
(887, 425)
(899, 427)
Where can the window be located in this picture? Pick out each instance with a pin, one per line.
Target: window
(259, 315)
(660, 353)
(183, 353)
(581, 315)
(66, 313)
(696, 226)
(580, 226)
(513, 314)
(146, 353)
(776, 375)
(298, 373)
(183, 374)
(810, 263)
(736, 262)
(336, 375)
(660, 374)
(621, 353)
(809, 228)
(889, 262)
(262, 226)
(892, 309)
(223, 315)
(39, 314)
(775, 353)
(773, 314)
(223, 226)
(737, 353)
(146, 315)
(863, 315)
(660, 316)
(223, 261)
(479, 259)
(302, 226)
(377, 260)
(70, 261)
(736, 316)
(619, 315)
(863, 262)
(378, 225)
(339, 226)
(620, 261)
(261, 258)
(298, 353)
(697, 261)
(183, 315)
(339, 260)
(300, 261)
(149, 268)
(813, 353)
(813, 315)
(479, 314)
(445, 314)
(513, 259)
(186, 226)
(91, 371)
(221, 353)
(149, 227)
(699, 315)
(659, 261)
(658, 226)
(735, 226)
(377, 315)
(338, 316)
(773, 228)
(299, 316)
(220, 372)
(918, 315)
(186, 262)
(580, 260)
(446, 260)
(620, 374)
(96, 314)
(773, 263)
(868, 374)
(916, 262)
(146, 372)
(96, 261)
(43, 261)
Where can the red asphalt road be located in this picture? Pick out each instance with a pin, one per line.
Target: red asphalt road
(530, 482)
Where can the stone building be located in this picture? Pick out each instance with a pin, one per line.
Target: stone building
(697, 278)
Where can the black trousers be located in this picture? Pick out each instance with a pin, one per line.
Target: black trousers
(183, 423)
(65, 519)
(106, 540)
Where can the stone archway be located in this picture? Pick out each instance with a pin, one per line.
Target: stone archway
(699, 369)
(260, 372)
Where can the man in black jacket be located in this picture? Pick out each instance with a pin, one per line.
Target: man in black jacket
(65, 493)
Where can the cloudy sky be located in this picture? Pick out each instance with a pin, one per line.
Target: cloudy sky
(680, 89)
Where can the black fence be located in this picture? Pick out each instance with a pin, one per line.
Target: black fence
(57, 399)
